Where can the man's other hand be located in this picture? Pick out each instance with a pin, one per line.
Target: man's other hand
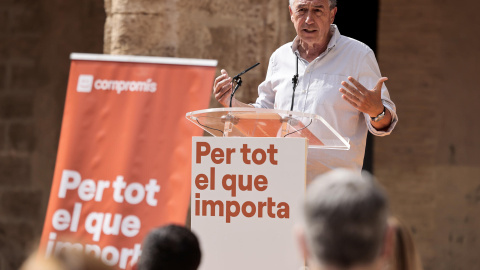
(363, 99)
(222, 88)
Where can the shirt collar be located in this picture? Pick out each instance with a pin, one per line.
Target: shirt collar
(333, 40)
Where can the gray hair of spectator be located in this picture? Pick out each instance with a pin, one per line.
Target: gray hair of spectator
(345, 218)
(333, 3)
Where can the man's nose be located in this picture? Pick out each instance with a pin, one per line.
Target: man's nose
(309, 18)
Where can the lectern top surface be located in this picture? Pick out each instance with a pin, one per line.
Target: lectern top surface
(253, 122)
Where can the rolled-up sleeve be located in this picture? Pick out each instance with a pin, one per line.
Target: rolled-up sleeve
(369, 74)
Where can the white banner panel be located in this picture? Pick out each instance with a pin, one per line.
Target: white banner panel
(246, 197)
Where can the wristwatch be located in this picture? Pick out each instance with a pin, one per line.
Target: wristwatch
(379, 117)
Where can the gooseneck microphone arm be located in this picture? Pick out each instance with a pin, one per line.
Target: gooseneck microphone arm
(238, 81)
(295, 83)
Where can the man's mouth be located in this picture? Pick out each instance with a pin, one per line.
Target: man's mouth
(309, 30)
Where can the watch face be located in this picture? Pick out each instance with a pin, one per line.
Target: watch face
(379, 117)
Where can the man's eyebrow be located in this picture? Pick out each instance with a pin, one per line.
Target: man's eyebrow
(304, 5)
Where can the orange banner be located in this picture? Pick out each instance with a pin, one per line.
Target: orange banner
(123, 162)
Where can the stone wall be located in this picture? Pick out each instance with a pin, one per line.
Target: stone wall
(237, 33)
(36, 38)
(431, 165)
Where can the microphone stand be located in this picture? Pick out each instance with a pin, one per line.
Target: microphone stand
(238, 81)
(295, 83)
(286, 119)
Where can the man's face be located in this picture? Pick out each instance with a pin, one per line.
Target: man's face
(312, 19)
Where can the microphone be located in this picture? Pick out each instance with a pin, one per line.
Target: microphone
(238, 81)
(295, 83)
(245, 71)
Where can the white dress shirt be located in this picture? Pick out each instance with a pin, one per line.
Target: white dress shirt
(318, 93)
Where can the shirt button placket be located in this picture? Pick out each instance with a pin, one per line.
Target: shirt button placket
(302, 86)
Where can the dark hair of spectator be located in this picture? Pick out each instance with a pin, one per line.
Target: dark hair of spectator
(170, 248)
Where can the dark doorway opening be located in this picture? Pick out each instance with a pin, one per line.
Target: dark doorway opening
(359, 20)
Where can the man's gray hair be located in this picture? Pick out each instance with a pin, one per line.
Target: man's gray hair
(345, 218)
(333, 3)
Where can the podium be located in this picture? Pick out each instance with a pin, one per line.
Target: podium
(249, 182)
(253, 122)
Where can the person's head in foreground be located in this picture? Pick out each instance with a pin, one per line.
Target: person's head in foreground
(346, 223)
(405, 255)
(67, 259)
(170, 248)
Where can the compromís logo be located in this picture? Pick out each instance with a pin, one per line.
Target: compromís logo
(87, 82)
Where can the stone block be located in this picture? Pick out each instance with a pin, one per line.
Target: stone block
(4, 48)
(253, 40)
(21, 137)
(21, 204)
(107, 36)
(16, 106)
(458, 221)
(18, 3)
(141, 6)
(3, 22)
(17, 240)
(108, 6)
(220, 9)
(196, 37)
(14, 171)
(24, 47)
(26, 77)
(222, 46)
(3, 77)
(137, 34)
(3, 137)
(27, 20)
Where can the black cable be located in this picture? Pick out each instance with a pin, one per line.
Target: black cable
(311, 120)
(223, 134)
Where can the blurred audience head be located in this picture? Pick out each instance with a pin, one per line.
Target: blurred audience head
(346, 223)
(65, 260)
(405, 256)
(170, 248)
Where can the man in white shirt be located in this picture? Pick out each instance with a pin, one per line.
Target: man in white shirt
(339, 80)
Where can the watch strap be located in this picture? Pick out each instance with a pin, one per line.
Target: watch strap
(380, 116)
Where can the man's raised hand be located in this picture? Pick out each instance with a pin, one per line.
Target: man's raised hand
(363, 99)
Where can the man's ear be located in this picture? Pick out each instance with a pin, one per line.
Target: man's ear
(333, 12)
(291, 13)
(301, 241)
(389, 241)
